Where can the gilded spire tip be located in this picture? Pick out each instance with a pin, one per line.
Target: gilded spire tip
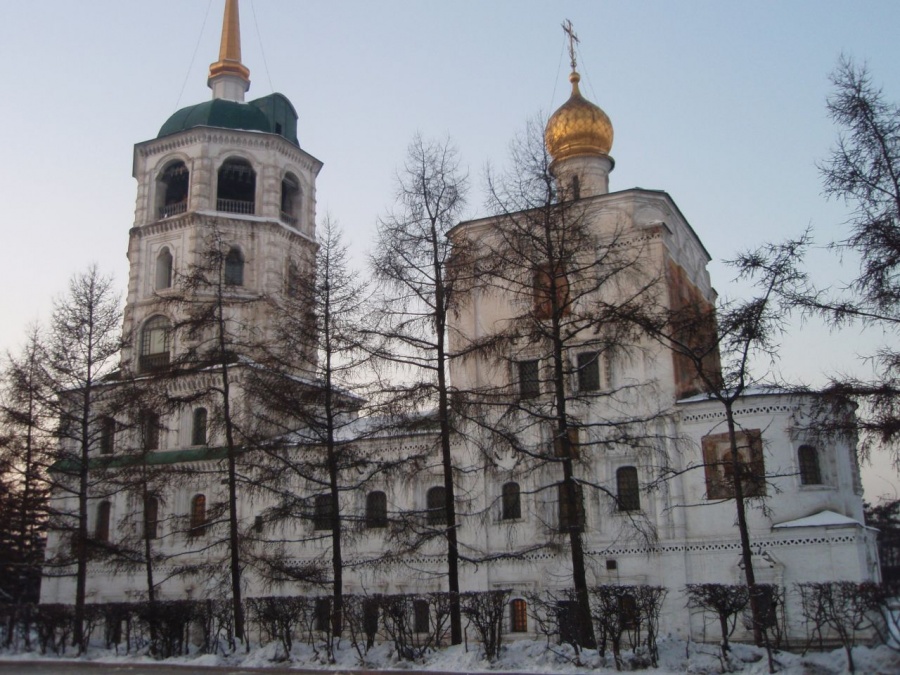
(229, 65)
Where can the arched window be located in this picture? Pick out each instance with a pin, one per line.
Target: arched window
(234, 267)
(376, 509)
(290, 199)
(163, 269)
(576, 187)
(512, 502)
(436, 502)
(236, 190)
(172, 188)
(324, 508)
(155, 344)
(149, 428)
(101, 532)
(151, 517)
(518, 616)
(198, 515)
(107, 435)
(628, 494)
(810, 472)
(198, 427)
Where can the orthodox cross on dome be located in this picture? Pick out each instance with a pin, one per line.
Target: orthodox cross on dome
(573, 40)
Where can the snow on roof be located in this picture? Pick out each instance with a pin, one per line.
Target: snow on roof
(754, 390)
(821, 519)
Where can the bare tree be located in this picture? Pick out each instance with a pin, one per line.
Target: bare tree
(568, 292)
(719, 347)
(83, 346)
(217, 336)
(863, 171)
(310, 432)
(411, 264)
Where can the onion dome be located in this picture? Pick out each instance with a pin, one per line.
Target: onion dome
(578, 127)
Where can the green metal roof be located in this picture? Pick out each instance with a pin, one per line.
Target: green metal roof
(273, 114)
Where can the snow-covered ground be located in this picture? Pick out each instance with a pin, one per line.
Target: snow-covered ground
(529, 656)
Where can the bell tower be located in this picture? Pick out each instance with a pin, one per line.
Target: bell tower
(228, 168)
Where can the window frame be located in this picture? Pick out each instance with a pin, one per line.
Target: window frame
(809, 466)
(587, 364)
(155, 344)
(421, 616)
(511, 501)
(548, 277)
(150, 422)
(628, 489)
(198, 516)
(436, 514)
(162, 279)
(323, 511)
(151, 517)
(102, 524)
(376, 510)
(528, 378)
(107, 435)
(564, 519)
(200, 426)
(518, 615)
(719, 464)
(234, 267)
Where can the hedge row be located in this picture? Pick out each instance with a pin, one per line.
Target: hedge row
(622, 616)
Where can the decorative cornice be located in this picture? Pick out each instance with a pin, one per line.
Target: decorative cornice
(236, 137)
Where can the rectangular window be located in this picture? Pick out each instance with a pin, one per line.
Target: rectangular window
(198, 427)
(570, 507)
(588, 371)
(101, 531)
(722, 469)
(149, 430)
(421, 616)
(107, 435)
(529, 378)
(151, 517)
(574, 449)
(323, 613)
(628, 491)
(324, 508)
(549, 281)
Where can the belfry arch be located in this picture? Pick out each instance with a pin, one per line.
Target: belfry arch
(236, 187)
(172, 188)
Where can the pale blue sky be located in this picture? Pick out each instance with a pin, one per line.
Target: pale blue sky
(719, 103)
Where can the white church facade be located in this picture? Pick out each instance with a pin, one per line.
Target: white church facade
(235, 169)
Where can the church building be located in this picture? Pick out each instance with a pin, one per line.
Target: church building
(653, 474)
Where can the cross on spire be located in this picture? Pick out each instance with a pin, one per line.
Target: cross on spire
(573, 40)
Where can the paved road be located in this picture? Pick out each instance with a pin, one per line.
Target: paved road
(88, 668)
(82, 668)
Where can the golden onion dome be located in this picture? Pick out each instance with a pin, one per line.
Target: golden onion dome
(578, 127)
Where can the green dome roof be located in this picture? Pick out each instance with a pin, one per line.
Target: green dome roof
(272, 114)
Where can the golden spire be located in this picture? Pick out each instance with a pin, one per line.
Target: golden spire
(229, 67)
